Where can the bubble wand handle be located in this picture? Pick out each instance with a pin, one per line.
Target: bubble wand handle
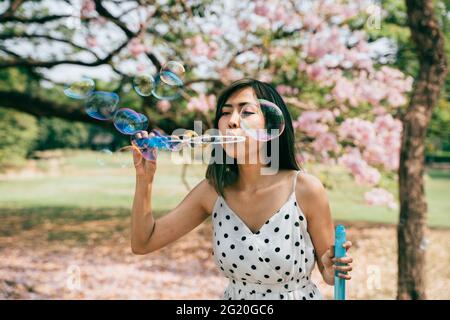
(339, 252)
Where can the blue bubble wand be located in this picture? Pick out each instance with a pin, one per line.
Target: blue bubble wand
(339, 252)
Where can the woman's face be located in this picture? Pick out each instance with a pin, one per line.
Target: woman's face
(243, 104)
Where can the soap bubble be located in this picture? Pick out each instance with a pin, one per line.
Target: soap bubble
(164, 91)
(102, 105)
(144, 148)
(80, 89)
(172, 73)
(262, 121)
(123, 158)
(143, 84)
(104, 157)
(129, 122)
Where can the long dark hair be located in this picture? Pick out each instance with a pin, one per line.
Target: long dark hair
(222, 175)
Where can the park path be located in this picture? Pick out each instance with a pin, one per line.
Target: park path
(101, 266)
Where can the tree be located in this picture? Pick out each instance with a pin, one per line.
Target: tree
(344, 99)
(429, 43)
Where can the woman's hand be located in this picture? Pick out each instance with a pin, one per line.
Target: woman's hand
(145, 169)
(329, 262)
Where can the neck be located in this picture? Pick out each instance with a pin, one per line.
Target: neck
(250, 178)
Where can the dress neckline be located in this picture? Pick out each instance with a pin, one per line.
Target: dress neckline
(268, 220)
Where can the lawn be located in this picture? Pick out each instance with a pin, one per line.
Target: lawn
(98, 182)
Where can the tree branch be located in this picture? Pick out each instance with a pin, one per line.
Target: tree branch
(24, 62)
(14, 5)
(106, 14)
(40, 107)
(47, 37)
(33, 19)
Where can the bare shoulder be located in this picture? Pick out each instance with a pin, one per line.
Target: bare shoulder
(309, 185)
(205, 193)
(310, 193)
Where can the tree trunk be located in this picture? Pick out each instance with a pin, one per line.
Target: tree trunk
(429, 42)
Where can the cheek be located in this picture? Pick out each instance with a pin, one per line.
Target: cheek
(255, 122)
(222, 125)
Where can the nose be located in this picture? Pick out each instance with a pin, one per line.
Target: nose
(234, 121)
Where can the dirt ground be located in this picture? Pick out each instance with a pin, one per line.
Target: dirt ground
(93, 260)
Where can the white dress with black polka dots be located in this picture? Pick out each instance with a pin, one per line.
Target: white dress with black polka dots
(274, 263)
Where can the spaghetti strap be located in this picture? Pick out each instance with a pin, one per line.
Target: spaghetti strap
(295, 181)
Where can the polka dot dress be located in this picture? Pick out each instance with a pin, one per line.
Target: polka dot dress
(274, 263)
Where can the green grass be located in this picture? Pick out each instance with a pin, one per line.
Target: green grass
(83, 189)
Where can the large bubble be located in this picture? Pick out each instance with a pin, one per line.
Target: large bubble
(129, 122)
(172, 73)
(143, 84)
(263, 121)
(103, 157)
(164, 91)
(80, 89)
(102, 105)
(142, 145)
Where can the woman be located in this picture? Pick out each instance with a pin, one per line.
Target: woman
(269, 230)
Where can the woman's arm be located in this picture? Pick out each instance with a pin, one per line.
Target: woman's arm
(149, 234)
(185, 217)
(313, 201)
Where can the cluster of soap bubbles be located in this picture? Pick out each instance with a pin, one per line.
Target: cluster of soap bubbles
(166, 85)
(263, 121)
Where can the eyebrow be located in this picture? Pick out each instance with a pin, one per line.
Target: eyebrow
(240, 104)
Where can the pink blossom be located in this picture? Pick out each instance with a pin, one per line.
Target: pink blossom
(311, 21)
(202, 103)
(361, 132)
(344, 90)
(265, 77)
(141, 67)
(325, 143)
(374, 154)
(363, 173)
(87, 9)
(380, 197)
(200, 48)
(303, 157)
(91, 41)
(287, 90)
(244, 24)
(230, 74)
(261, 9)
(317, 72)
(136, 47)
(313, 123)
(163, 105)
(277, 52)
(216, 31)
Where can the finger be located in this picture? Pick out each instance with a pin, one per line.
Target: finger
(138, 135)
(344, 260)
(151, 157)
(347, 245)
(144, 134)
(343, 268)
(344, 276)
(137, 156)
